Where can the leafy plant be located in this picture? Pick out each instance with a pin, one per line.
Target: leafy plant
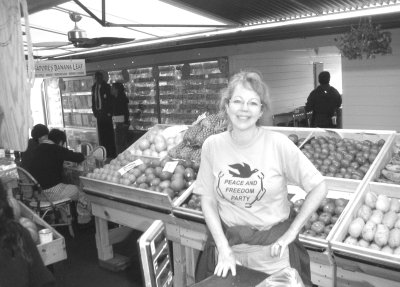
(365, 40)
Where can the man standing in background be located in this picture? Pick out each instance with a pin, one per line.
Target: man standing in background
(102, 110)
(324, 101)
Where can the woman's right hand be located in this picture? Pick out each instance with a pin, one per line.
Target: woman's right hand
(226, 262)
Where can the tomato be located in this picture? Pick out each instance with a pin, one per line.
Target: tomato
(348, 156)
(307, 147)
(360, 160)
(317, 226)
(372, 157)
(155, 182)
(336, 163)
(144, 185)
(339, 209)
(332, 169)
(354, 164)
(328, 228)
(340, 202)
(325, 217)
(345, 162)
(329, 207)
(327, 162)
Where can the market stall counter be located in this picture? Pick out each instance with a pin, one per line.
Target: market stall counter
(347, 159)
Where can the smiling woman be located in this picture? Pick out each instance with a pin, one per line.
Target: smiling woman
(243, 186)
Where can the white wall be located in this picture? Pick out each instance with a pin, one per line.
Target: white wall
(371, 90)
(287, 65)
(289, 73)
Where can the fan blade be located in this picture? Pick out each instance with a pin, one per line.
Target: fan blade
(50, 44)
(112, 40)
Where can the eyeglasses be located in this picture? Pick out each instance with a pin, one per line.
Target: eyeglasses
(251, 104)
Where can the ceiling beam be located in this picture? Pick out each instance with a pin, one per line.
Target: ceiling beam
(39, 5)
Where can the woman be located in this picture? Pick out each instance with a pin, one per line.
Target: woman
(120, 116)
(243, 180)
(20, 261)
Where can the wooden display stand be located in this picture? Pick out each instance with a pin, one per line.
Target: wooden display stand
(187, 237)
(138, 208)
(50, 252)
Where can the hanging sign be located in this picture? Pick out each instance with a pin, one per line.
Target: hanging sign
(60, 68)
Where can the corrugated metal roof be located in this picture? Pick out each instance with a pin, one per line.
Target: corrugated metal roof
(250, 12)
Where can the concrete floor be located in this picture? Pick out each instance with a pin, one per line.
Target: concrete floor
(81, 268)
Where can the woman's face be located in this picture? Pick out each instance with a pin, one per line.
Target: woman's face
(244, 108)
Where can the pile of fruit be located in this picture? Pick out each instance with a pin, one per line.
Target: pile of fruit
(343, 158)
(190, 147)
(192, 202)
(149, 174)
(321, 221)
(377, 224)
(156, 144)
(391, 172)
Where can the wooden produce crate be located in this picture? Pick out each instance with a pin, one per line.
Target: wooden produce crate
(374, 136)
(50, 252)
(133, 195)
(184, 212)
(357, 266)
(323, 268)
(382, 161)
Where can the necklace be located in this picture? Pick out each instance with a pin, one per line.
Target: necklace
(244, 140)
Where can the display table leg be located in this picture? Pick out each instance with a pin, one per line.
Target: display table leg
(107, 258)
(179, 264)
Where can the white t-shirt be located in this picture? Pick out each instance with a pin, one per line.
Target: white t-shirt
(250, 182)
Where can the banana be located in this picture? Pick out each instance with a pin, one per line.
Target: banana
(393, 167)
(393, 176)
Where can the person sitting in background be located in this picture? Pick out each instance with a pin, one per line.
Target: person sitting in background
(20, 261)
(39, 133)
(120, 114)
(324, 102)
(47, 168)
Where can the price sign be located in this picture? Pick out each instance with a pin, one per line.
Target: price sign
(129, 166)
(170, 166)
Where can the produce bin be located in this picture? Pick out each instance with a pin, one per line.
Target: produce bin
(133, 195)
(50, 252)
(358, 266)
(376, 177)
(336, 183)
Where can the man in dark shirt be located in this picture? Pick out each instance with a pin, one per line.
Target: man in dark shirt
(47, 168)
(324, 102)
(102, 110)
(39, 133)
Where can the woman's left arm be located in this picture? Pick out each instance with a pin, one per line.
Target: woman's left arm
(311, 203)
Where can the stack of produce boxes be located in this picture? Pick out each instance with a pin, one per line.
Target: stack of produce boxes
(323, 148)
(366, 244)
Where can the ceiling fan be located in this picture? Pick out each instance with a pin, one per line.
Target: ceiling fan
(78, 38)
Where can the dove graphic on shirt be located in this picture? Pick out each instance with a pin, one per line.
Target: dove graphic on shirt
(244, 170)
